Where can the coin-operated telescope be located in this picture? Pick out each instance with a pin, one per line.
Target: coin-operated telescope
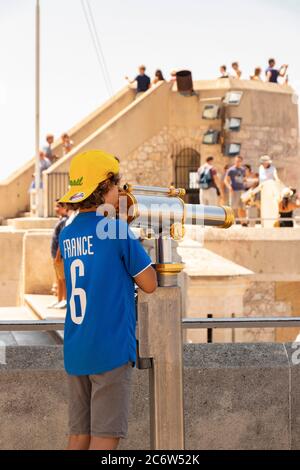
(162, 215)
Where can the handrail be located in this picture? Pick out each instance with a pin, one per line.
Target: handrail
(32, 325)
(264, 322)
(187, 323)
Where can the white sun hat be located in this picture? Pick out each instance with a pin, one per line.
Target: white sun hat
(286, 192)
(265, 159)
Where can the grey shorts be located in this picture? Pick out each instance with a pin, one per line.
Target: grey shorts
(235, 200)
(99, 404)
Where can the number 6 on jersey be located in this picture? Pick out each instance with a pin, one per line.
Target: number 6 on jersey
(77, 291)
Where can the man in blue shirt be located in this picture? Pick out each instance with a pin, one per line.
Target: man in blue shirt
(272, 74)
(235, 182)
(102, 261)
(142, 80)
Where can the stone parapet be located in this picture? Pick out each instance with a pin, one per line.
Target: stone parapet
(237, 396)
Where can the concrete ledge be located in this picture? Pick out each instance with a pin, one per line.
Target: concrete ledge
(237, 396)
(32, 223)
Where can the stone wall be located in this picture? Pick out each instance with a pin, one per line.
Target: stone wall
(236, 397)
(11, 267)
(260, 301)
(153, 163)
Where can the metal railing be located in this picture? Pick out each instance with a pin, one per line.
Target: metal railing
(187, 323)
(267, 322)
(56, 186)
(32, 325)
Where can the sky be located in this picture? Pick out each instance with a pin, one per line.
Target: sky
(169, 34)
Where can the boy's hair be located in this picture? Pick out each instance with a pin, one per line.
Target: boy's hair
(60, 204)
(97, 197)
(271, 61)
(235, 64)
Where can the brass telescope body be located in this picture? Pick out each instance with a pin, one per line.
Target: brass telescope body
(163, 215)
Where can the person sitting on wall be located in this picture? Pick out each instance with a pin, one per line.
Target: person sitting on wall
(142, 80)
(158, 77)
(257, 74)
(223, 71)
(237, 73)
(286, 207)
(67, 143)
(272, 74)
(48, 148)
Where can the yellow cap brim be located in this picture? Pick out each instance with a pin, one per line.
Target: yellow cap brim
(74, 196)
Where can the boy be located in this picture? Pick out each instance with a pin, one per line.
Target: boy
(100, 268)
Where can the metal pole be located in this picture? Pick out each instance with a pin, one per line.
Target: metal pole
(37, 113)
(242, 322)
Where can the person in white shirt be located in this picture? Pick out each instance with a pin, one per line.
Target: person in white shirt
(267, 170)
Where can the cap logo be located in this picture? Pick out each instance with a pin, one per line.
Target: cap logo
(77, 196)
(78, 182)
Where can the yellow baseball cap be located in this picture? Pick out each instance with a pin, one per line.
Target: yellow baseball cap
(87, 170)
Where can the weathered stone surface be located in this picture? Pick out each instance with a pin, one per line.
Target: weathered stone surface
(236, 397)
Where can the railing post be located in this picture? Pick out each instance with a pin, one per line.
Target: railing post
(160, 338)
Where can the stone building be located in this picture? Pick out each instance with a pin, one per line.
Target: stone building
(163, 137)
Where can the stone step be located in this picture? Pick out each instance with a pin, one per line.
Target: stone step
(16, 313)
(39, 305)
(33, 223)
(24, 338)
(25, 214)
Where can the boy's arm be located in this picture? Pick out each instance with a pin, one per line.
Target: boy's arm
(147, 280)
(137, 262)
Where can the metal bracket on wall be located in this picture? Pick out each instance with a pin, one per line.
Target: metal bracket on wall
(142, 363)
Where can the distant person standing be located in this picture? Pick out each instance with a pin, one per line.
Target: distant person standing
(48, 148)
(235, 182)
(173, 77)
(67, 143)
(223, 71)
(267, 170)
(142, 80)
(272, 73)
(224, 187)
(44, 162)
(209, 184)
(60, 302)
(237, 73)
(257, 74)
(251, 179)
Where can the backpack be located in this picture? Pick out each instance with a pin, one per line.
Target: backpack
(205, 178)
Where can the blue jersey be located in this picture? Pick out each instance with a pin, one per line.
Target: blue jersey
(99, 270)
